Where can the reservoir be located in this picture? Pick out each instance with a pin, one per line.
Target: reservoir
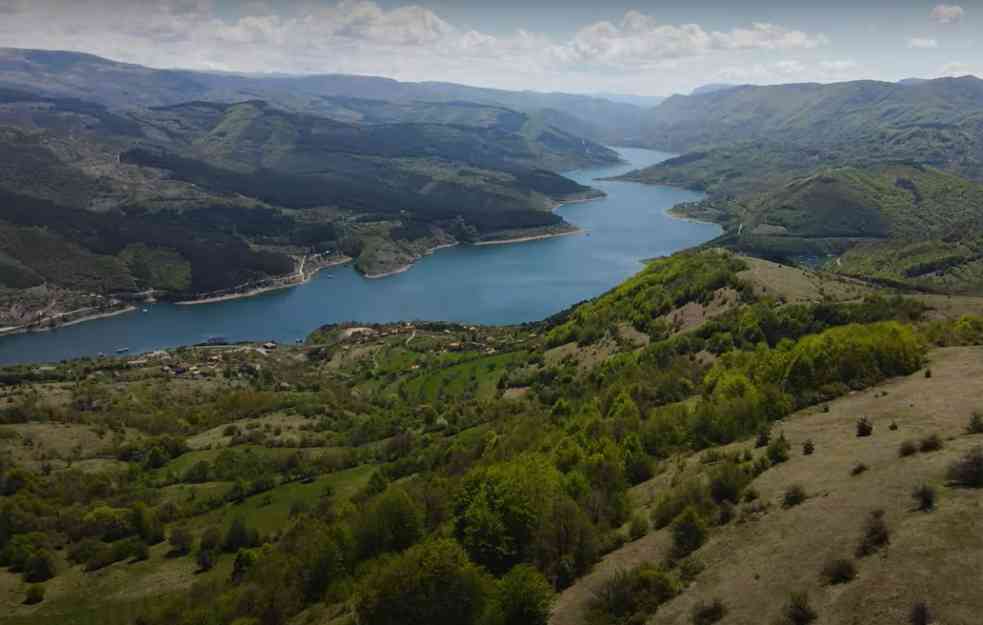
(496, 284)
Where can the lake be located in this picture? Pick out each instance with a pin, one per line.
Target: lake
(497, 284)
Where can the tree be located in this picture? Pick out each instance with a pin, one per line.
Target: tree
(432, 583)
(500, 509)
(523, 597)
(244, 562)
(181, 540)
(392, 522)
(206, 559)
(39, 567)
(238, 536)
(211, 539)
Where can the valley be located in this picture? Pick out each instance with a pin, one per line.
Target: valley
(296, 331)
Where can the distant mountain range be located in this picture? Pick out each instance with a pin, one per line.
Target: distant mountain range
(888, 175)
(122, 85)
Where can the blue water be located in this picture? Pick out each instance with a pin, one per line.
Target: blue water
(499, 284)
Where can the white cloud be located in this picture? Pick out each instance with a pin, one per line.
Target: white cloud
(948, 13)
(957, 68)
(922, 43)
(360, 36)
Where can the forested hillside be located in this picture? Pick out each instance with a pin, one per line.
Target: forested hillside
(436, 473)
(203, 197)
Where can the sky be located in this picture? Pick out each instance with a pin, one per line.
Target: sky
(649, 47)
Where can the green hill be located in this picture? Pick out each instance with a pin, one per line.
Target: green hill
(627, 459)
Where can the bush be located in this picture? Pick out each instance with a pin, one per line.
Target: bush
(930, 443)
(859, 468)
(907, 448)
(920, 614)
(778, 450)
(181, 540)
(523, 597)
(35, 594)
(688, 533)
(924, 497)
(928, 373)
(875, 534)
(975, 424)
(808, 447)
(864, 427)
(894, 426)
(239, 536)
(794, 495)
(763, 438)
(838, 571)
(798, 611)
(630, 596)
(39, 567)
(968, 471)
(639, 527)
(709, 613)
(206, 559)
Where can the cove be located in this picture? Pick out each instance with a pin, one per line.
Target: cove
(497, 284)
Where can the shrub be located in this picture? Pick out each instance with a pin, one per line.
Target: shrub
(206, 559)
(35, 594)
(181, 540)
(924, 497)
(727, 482)
(708, 613)
(928, 373)
(630, 596)
(920, 614)
(894, 426)
(211, 539)
(794, 495)
(859, 468)
(763, 438)
(778, 450)
(808, 447)
(798, 611)
(725, 513)
(968, 471)
(907, 448)
(838, 571)
(239, 536)
(930, 443)
(523, 597)
(639, 527)
(975, 424)
(39, 567)
(875, 534)
(864, 427)
(688, 533)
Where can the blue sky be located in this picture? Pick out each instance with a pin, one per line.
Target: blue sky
(646, 48)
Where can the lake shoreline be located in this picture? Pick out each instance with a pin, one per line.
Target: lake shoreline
(31, 328)
(296, 279)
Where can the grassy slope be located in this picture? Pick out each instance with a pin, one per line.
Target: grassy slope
(752, 566)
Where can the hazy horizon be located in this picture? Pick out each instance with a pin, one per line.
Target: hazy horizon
(643, 49)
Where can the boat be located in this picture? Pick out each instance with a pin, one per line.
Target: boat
(122, 350)
(144, 310)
